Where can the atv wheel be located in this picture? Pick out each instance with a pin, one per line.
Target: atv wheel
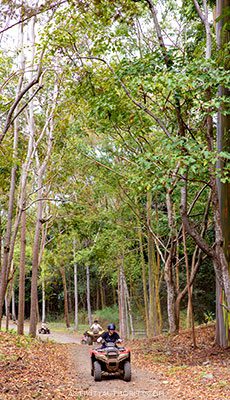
(97, 371)
(127, 371)
(90, 341)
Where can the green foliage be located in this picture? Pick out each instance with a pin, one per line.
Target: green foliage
(107, 315)
(209, 316)
(109, 148)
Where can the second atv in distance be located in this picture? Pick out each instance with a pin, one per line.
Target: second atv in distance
(92, 337)
(112, 360)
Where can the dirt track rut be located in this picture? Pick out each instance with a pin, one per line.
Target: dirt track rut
(144, 385)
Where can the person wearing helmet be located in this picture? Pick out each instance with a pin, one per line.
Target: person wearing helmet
(110, 336)
(96, 327)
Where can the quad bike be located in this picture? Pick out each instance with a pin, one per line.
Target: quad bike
(44, 329)
(92, 337)
(84, 339)
(110, 359)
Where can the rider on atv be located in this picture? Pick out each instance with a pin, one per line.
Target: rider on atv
(110, 336)
(96, 327)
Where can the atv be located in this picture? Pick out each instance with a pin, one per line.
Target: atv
(84, 339)
(44, 329)
(112, 360)
(92, 337)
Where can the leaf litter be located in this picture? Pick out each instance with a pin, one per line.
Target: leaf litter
(33, 369)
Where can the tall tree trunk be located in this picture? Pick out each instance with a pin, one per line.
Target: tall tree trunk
(75, 288)
(97, 298)
(66, 310)
(41, 169)
(189, 287)
(102, 292)
(129, 309)
(8, 297)
(35, 264)
(13, 308)
(144, 280)
(88, 295)
(43, 272)
(21, 301)
(7, 239)
(223, 143)
(9, 244)
(0, 240)
(152, 267)
(122, 302)
(158, 282)
(168, 271)
(7, 310)
(43, 301)
(7, 302)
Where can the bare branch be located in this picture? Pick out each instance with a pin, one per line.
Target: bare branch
(42, 10)
(199, 12)
(20, 96)
(128, 93)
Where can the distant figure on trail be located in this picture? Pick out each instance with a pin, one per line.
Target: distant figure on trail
(44, 329)
(110, 336)
(96, 327)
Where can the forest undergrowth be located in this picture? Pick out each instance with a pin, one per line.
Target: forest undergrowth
(190, 373)
(31, 369)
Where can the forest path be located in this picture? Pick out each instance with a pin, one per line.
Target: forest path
(144, 384)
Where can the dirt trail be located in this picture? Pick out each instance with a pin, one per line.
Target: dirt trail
(144, 384)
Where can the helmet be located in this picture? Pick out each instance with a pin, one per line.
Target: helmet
(111, 327)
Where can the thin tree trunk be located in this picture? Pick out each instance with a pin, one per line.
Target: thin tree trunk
(88, 295)
(0, 240)
(9, 244)
(43, 301)
(35, 264)
(13, 308)
(129, 309)
(152, 267)
(75, 288)
(70, 305)
(7, 240)
(48, 128)
(168, 272)
(223, 144)
(38, 225)
(158, 282)
(66, 311)
(7, 310)
(189, 287)
(122, 305)
(8, 298)
(21, 301)
(97, 298)
(43, 275)
(144, 282)
(102, 295)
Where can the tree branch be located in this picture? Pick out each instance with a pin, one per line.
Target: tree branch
(19, 97)
(33, 15)
(128, 93)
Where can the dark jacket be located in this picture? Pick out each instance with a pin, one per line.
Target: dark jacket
(110, 338)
